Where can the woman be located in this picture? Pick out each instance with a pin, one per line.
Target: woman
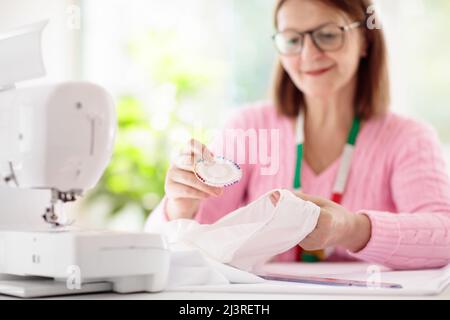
(337, 140)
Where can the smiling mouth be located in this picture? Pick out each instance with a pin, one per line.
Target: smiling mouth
(318, 72)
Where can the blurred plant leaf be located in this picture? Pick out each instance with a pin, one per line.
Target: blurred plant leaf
(137, 170)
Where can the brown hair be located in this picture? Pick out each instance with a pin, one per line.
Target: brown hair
(372, 91)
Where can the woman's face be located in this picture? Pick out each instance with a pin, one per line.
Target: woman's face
(320, 73)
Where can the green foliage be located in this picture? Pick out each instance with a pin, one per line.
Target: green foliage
(140, 161)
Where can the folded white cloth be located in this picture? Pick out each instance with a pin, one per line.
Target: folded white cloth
(240, 241)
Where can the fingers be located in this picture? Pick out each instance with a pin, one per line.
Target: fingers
(314, 241)
(198, 149)
(181, 181)
(191, 153)
(186, 161)
(182, 186)
(189, 179)
(274, 197)
(310, 245)
(321, 236)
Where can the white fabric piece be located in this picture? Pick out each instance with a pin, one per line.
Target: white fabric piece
(241, 241)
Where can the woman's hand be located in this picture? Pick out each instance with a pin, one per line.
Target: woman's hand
(336, 227)
(183, 190)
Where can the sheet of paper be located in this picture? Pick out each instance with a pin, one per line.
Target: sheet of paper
(414, 283)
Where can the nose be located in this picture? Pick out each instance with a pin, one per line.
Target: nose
(309, 50)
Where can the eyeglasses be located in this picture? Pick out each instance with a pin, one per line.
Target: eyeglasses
(328, 37)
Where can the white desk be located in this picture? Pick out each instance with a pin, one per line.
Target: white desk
(356, 271)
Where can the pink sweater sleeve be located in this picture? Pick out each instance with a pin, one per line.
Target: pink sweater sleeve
(418, 236)
(213, 208)
(157, 217)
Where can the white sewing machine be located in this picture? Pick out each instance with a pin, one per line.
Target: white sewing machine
(60, 137)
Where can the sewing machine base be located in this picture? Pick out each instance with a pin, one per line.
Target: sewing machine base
(31, 287)
(67, 261)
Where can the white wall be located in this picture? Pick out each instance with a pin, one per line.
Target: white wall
(60, 37)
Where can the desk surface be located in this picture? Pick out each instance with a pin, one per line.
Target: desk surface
(189, 295)
(244, 292)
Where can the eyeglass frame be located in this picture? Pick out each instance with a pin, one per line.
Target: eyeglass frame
(344, 29)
